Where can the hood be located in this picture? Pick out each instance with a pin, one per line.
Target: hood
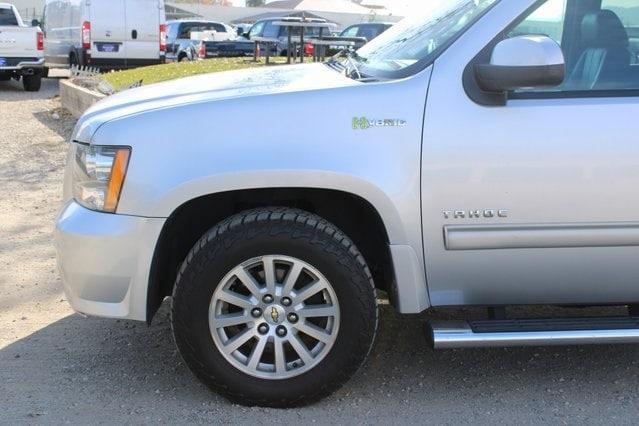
(210, 87)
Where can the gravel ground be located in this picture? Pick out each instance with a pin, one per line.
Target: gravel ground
(57, 367)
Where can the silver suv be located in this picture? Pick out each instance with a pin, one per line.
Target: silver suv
(482, 154)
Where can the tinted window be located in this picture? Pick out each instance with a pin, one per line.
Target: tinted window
(271, 31)
(628, 12)
(256, 30)
(369, 32)
(7, 17)
(350, 32)
(187, 28)
(308, 32)
(600, 46)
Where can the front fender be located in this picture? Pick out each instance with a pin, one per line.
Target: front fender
(303, 137)
(265, 179)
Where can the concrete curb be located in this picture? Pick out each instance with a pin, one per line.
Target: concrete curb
(77, 99)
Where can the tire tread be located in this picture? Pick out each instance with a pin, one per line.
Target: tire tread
(278, 220)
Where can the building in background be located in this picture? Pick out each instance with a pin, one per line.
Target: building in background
(341, 12)
(336, 6)
(29, 9)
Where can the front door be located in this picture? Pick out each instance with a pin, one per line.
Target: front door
(535, 202)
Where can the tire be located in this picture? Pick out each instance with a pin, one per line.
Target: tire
(264, 236)
(73, 60)
(183, 58)
(32, 83)
(5, 77)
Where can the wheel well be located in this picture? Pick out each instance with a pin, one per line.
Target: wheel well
(352, 214)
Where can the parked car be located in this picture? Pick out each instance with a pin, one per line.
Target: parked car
(108, 34)
(183, 46)
(266, 28)
(21, 55)
(482, 154)
(188, 41)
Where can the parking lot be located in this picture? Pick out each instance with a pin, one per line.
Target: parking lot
(56, 366)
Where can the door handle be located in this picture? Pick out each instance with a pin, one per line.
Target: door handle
(134, 34)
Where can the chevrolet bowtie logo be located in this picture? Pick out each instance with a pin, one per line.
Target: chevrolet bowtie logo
(275, 316)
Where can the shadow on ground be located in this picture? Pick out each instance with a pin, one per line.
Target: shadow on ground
(12, 91)
(120, 371)
(57, 120)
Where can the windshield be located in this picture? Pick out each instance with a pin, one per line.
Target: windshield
(420, 38)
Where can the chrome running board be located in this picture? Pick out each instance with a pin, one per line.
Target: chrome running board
(534, 332)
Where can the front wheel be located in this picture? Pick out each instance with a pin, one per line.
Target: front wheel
(274, 307)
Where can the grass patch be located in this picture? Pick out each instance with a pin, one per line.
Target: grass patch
(158, 73)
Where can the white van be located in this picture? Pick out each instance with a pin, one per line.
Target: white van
(108, 34)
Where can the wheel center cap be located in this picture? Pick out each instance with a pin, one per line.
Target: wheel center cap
(274, 314)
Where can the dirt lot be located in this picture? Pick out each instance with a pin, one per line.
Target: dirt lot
(57, 367)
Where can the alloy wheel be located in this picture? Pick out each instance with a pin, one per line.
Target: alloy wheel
(274, 317)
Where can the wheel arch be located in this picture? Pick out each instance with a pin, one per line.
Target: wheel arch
(354, 215)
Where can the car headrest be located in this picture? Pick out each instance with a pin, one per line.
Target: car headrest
(603, 29)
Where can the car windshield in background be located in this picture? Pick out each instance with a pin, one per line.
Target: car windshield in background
(7, 17)
(417, 40)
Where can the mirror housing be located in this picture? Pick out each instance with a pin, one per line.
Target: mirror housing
(35, 23)
(524, 62)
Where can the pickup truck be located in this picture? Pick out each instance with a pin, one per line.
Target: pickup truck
(481, 153)
(185, 43)
(21, 49)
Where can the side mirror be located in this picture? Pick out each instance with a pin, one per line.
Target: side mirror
(524, 62)
(35, 23)
(240, 31)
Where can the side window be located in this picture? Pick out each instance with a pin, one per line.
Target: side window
(628, 12)
(217, 27)
(185, 31)
(369, 32)
(256, 30)
(271, 31)
(548, 20)
(350, 32)
(600, 42)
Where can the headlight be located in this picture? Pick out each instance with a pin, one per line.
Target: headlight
(98, 176)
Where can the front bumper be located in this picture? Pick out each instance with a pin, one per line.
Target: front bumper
(105, 259)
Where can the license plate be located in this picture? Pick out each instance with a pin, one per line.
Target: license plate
(3, 62)
(108, 48)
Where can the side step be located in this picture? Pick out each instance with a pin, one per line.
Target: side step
(534, 332)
